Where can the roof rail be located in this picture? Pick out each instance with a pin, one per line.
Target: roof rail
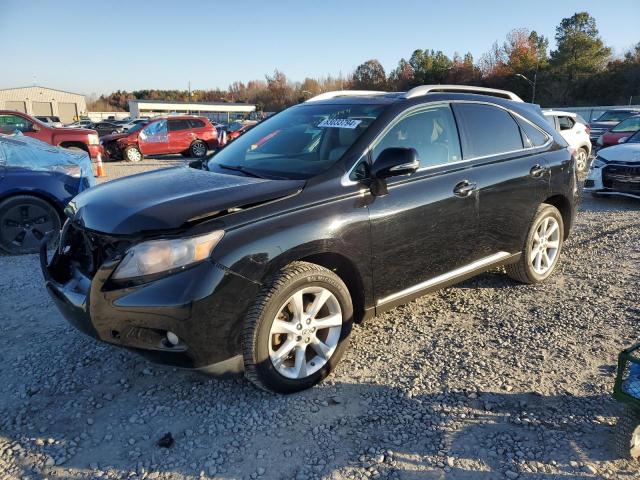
(344, 93)
(425, 89)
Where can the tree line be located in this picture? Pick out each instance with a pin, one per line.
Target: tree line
(580, 71)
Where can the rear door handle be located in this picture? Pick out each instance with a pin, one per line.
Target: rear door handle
(537, 170)
(464, 189)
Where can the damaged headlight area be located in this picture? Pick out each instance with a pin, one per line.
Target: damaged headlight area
(598, 162)
(156, 256)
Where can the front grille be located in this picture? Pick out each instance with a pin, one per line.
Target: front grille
(623, 178)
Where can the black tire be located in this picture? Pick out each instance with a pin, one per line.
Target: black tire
(628, 422)
(132, 154)
(198, 149)
(24, 220)
(523, 271)
(256, 338)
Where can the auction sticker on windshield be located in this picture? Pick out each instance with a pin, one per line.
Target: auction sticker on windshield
(339, 123)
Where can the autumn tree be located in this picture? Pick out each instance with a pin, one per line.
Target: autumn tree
(369, 76)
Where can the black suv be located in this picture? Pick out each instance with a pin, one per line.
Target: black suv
(323, 215)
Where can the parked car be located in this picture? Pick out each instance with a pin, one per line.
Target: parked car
(84, 123)
(37, 181)
(71, 138)
(608, 120)
(107, 128)
(620, 133)
(51, 121)
(616, 170)
(132, 123)
(356, 202)
(575, 130)
(235, 129)
(190, 136)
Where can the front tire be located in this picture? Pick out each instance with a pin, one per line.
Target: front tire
(24, 221)
(297, 329)
(627, 437)
(542, 247)
(132, 154)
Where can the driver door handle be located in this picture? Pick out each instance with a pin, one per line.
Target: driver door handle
(464, 188)
(537, 170)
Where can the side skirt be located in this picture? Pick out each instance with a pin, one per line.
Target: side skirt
(445, 280)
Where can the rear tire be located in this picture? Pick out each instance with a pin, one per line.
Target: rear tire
(303, 310)
(627, 437)
(198, 149)
(24, 220)
(132, 154)
(542, 247)
(582, 160)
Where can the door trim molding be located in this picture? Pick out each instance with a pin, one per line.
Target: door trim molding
(445, 277)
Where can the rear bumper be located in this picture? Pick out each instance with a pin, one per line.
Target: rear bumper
(203, 305)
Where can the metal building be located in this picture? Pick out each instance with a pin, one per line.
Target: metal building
(42, 101)
(218, 111)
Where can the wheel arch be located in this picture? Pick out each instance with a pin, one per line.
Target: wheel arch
(563, 205)
(72, 143)
(51, 200)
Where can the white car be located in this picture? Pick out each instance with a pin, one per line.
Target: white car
(616, 170)
(574, 130)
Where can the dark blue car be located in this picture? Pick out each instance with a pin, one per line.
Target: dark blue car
(37, 181)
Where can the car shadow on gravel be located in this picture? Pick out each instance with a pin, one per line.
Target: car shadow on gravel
(227, 429)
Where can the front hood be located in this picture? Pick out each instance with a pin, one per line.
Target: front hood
(170, 198)
(627, 152)
(113, 136)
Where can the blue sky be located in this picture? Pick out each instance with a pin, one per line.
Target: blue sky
(98, 47)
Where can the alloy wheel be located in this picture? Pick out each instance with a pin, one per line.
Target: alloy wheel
(305, 332)
(199, 149)
(545, 245)
(24, 226)
(134, 155)
(581, 160)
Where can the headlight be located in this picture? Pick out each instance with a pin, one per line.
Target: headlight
(71, 170)
(598, 162)
(157, 256)
(94, 139)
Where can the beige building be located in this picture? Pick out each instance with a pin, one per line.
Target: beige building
(41, 101)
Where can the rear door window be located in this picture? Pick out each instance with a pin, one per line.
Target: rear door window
(177, 125)
(487, 130)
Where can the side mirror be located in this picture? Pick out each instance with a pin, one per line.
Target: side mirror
(392, 162)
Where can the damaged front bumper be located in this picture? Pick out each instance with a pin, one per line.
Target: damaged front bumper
(203, 306)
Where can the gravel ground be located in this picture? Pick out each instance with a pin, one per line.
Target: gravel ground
(487, 379)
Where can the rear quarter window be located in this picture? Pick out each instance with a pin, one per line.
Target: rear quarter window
(195, 123)
(487, 130)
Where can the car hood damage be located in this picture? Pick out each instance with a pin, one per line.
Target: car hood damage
(629, 153)
(170, 199)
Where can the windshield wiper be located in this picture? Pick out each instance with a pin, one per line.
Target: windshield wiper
(239, 168)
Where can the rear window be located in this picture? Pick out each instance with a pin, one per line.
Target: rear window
(195, 123)
(487, 130)
(531, 136)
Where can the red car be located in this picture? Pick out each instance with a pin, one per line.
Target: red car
(620, 132)
(236, 129)
(72, 138)
(190, 136)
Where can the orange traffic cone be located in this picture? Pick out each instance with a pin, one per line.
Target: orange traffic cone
(99, 167)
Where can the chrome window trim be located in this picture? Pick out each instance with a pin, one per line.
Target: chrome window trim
(346, 178)
(483, 262)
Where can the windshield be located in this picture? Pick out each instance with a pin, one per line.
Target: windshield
(629, 125)
(137, 127)
(299, 143)
(635, 138)
(614, 116)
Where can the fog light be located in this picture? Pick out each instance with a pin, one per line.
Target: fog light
(172, 338)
